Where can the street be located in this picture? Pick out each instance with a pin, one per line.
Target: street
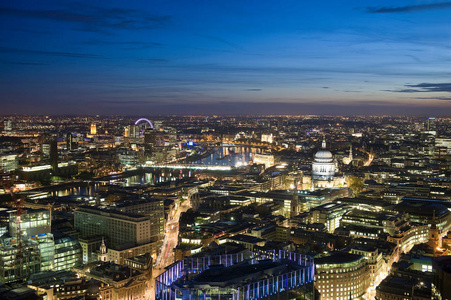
(170, 240)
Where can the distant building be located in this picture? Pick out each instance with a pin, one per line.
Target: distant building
(430, 124)
(71, 142)
(264, 159)
(93, 129)
(8, 162)
(267, 138)
(150, 138)
(44, 171)
(7, 126)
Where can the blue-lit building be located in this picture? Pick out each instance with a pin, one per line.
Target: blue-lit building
(244, 276)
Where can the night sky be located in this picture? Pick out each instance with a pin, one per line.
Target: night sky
(225, 57)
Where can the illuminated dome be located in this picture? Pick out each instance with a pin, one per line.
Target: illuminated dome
(323, 166)
(323, 154)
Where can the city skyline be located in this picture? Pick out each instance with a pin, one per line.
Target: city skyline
(156, 57)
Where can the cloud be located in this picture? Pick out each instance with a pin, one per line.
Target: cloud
(127, 102)
(407, 9)
(253, 90)
(92, 18)
(426, 88)
(435, 98)
(51, 53)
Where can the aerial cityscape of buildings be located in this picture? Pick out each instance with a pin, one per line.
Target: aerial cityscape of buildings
(225, 207)
(225, 150)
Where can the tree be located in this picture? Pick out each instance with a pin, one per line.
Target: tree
(355, 184)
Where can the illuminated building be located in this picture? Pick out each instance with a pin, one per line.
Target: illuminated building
(127, 234)
(235, 276)
(329, 214)
(122, 282)
(15, 264)
(90, 245)
(342, 275)
(348, 159)
(9, 162)
(376, 263)
(93, 129)
(323, 168)
(68, 252)
(36, 225)
(430, 125)
(268, 138)
(44, 171)
(128, 158)
(103, 255)
(151, 207)
(409, 235)
(264, 159)
(118, 227)
(45, 148)
(7, 126)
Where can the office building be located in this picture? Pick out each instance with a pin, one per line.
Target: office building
(119, 228)
(36, 225)
(342, 275)
(430, 124)
(68, 252)
(151, 207)
(18, 260)
(8, 162)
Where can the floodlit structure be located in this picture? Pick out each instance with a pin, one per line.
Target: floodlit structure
(252, 275)
(323, 166)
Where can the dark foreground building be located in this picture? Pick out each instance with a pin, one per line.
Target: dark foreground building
(253, 275)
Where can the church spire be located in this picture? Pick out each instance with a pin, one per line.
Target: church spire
(323, 145)
(103, 255)
(103, 247)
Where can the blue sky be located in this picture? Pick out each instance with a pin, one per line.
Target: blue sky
(225, 57)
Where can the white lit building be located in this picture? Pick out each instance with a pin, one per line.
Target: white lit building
(323, 168)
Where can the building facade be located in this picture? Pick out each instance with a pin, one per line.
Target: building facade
(341, 276)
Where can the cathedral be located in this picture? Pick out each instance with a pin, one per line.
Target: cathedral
(324, 168)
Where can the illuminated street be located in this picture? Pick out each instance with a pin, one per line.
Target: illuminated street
(166, 256)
